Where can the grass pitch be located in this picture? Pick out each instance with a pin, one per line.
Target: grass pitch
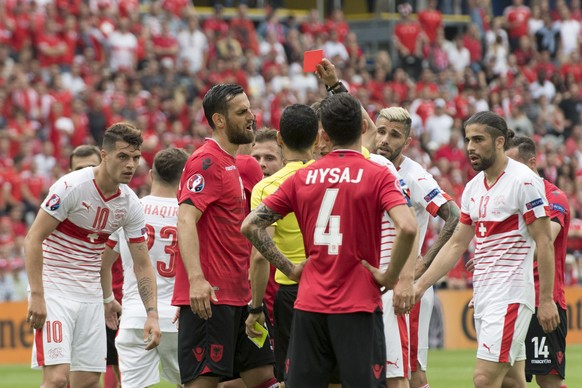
(446, 369)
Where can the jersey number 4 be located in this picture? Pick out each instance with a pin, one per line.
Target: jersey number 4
(325, 221)
(167, 233)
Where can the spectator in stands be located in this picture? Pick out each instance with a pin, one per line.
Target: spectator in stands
(244, 29)
(165, 45)
(569, 32)
(459, 56)
(409, 40)
(519, 122)
(548, 36)
(431, 21)
(438, 126)
(122, 45)
(516, 21)
(193, 46)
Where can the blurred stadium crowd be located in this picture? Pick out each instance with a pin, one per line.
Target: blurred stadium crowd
(70, 68)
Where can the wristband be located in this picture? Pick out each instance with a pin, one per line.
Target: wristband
(109, 299)
(339, 89)
(330, 88)
(255, 310)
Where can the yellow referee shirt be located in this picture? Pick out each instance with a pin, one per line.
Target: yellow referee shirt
(287, 237)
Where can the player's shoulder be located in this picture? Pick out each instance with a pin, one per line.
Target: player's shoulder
(475, 183)
(74, 181)
(127, 192)
(554, 194)
(520, 173)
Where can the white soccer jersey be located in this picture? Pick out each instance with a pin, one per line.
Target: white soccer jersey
(504, 248)
(425, 194)
(161, 217)
(388, 230)
(72, 252)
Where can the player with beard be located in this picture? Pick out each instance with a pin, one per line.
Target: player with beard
(546, 352)
(505, 208)
(392, 136)
(212, 287)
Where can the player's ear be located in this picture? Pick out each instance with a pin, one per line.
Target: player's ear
(218, 120)
(151, 174)
(364, 126)
(279, 139)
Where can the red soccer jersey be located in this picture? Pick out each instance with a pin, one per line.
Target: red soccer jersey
(520, 16)
(560, 213)
(211, 182)
(408, 34)
(430, 20)
(339, 202)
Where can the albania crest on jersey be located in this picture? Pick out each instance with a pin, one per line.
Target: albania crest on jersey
(53, 203)
(195, 183)
(216, 352)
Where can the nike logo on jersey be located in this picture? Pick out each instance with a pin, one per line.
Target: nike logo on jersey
(86, 205)
(527, 183)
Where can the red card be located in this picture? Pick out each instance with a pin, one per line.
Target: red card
(310, 59)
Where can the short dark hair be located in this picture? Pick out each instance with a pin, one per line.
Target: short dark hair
(266, 134)
(526, 147)
(168, 165)
(316, 106)
(216, 100)
(84, 151)
(298, 127)
(341, 117)
(121, 132)
(494, 124)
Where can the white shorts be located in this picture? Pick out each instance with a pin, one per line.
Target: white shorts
(419, 324)
(141, 368)
(74, 333)
(501, 333)
(396, 333)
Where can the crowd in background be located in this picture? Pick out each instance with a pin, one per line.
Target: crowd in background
(71, 68)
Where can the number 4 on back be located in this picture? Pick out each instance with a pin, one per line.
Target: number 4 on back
(333, 238)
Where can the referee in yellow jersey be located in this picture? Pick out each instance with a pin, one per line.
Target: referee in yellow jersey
(297, 136)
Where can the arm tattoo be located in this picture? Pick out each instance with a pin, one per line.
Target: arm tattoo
(146, 291)
(261, 218)
(264, 216)
(450, 213)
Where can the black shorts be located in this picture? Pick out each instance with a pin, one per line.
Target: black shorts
(112, 358)
(353, 342)
(218, 346)
(546, 352)
(283, 317)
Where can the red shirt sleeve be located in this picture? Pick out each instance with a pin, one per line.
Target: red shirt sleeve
(202, 182)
